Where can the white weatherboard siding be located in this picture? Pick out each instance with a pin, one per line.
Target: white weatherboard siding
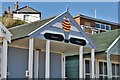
(30, 18)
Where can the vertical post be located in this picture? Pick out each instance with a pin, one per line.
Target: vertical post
(47, 66)
(4, 59)
(97, 68)
(81, 62)
(30, 67)
(36, 64)
(93, 62)
(63, 65)
(109, 75)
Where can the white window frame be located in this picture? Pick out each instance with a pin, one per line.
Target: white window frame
(112, 62)
(116, 76)
(103, 61)
(105, 26)
(90, 68)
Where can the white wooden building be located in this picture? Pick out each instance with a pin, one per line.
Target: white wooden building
(38, 49)
(26, 14)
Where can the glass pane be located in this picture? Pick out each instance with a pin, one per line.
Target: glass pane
(113, 78)
(100, 67)
(118, 69)
(97, 25)
(118, 78)
(87, 66)
(113, 69)
(107, 27)
(105, 68)
(103, 26)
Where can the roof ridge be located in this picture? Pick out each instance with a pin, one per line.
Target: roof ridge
(106, 21)
(26, 7)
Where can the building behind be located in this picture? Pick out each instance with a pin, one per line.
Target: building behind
(26, 13)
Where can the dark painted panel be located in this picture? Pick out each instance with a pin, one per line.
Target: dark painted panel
(72, 66)
(55, 66)
(17, 62)
(42, 65)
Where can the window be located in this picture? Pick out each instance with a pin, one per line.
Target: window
(88, 72)
(107, 27)
(102, 26)
(115, 71)
(97, 25)
(26, 17)
(102, 70)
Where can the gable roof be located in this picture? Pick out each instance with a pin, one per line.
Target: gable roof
(27, 9)
(97, 20)
(101, 40)
(23, 30)
(48, 27)
(105, 39)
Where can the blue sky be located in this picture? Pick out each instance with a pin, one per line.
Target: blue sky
(105, 10)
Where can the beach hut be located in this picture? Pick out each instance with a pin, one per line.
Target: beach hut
(5, 38)
(107, 57)
(38, 48)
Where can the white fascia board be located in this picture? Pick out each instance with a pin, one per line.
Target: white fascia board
(4, 32)
(45, 24)
(114, 42)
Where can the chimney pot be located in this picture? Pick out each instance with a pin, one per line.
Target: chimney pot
(16, 6)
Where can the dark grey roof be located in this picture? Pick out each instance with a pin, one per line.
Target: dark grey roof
(105, 39)
(23, 30)
(97, 20)
(27, 9)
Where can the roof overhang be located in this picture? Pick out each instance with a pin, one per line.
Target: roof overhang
(116, 41)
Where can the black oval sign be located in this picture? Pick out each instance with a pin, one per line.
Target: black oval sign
(77, 41)
(52, 36)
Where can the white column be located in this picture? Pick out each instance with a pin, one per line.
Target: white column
(36, 64)
(81, 62)
(30, 67)
(47, 66)
(4, 59)
(109, 69)
(63, 65)
(97, 68)
(93, 62)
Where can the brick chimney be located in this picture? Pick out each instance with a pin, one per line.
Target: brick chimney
(16, 6)
(8, 11)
